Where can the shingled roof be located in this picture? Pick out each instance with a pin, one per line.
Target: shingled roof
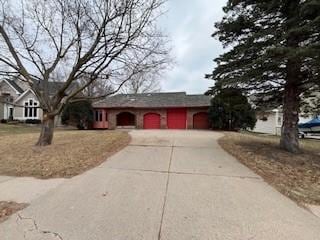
(54, 87)
(15, 86)
(154, 100)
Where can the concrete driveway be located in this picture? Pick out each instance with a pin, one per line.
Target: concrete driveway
(168, 185)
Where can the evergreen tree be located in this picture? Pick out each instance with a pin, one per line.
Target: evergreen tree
(79, 114)
(230, 110)
(274, 55)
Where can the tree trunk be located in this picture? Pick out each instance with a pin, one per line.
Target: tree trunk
(289, 133)
(47, 129)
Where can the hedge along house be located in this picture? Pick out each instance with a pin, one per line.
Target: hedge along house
(175, 110)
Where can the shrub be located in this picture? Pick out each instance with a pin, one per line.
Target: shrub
(230, 110)
(79, 114)
(33, 121)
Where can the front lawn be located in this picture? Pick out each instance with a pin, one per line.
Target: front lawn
(12, 129)
(295, 175)
(71, 153)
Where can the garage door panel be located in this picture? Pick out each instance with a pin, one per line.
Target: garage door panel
(151, 121)
(177, 118)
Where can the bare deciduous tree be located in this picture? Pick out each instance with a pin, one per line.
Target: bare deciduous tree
(143, 83)
(100, 40)
(102, 87)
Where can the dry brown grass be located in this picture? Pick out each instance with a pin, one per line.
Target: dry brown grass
(295, 175)
(71, 153)
(12, 129)
(9, 208)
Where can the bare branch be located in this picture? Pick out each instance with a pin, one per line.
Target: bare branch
(83, 44)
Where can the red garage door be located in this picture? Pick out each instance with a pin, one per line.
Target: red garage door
(177, 118)
(151, 121)
(201, 121)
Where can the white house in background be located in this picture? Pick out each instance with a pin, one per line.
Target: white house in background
(270, 122)
(19, 102)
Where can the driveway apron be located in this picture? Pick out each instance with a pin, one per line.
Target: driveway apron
(168, 185)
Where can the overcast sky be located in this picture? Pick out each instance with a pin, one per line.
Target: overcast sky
(190, 25)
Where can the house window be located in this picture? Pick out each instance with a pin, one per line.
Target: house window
(7, 97)
(263, 118)
(31, 109)
(98, 116)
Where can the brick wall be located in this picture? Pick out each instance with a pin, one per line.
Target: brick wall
(190, 113)
(139, 113)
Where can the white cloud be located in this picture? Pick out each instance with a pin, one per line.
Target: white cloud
(190, 25)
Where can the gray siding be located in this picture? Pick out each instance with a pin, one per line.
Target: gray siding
(269, 126)
(5, 88)
(1, 111)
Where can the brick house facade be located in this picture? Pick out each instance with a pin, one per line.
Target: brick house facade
(152, 110)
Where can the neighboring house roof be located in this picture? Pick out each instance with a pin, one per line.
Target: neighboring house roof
(154, 100)
(23, 95)
(53, 87)
(13, 85)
